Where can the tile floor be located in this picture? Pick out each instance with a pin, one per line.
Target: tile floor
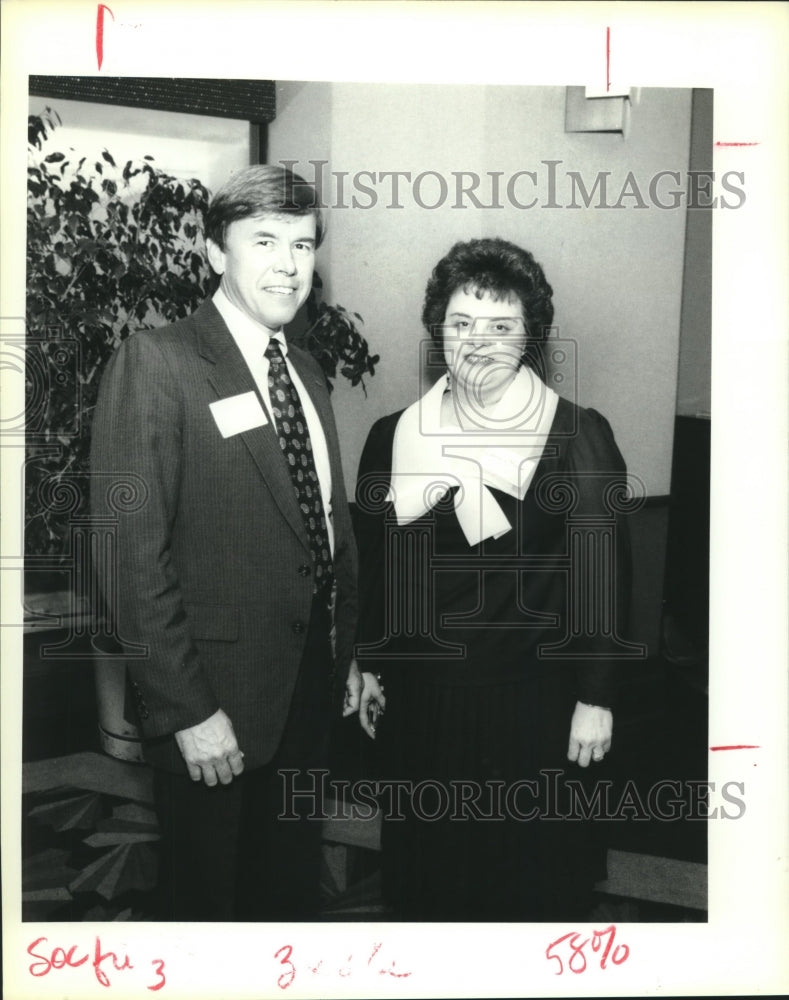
(90, 853)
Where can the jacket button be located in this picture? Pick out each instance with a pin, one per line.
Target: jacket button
(298, 627)
(304, 570)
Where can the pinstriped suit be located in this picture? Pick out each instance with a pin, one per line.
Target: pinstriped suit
(213, 569)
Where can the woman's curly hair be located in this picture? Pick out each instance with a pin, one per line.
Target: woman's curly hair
(502, 269)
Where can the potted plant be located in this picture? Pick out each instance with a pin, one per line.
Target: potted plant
(111, 248)
(334, 340)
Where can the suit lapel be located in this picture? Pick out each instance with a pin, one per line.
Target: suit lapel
(229, 375)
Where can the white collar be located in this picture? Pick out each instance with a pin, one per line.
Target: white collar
(503, 452)
(252, 338)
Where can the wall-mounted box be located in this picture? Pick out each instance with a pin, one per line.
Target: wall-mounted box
(590, 110)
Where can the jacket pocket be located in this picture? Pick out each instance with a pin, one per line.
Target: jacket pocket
(213, 622)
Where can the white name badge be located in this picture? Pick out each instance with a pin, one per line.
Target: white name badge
(237, 414)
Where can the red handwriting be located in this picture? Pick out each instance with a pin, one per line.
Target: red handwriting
(159, 967)
(577, 960)
(102, 962)
(287, 977)
(739, 746)
(100, 31)
(344, 969)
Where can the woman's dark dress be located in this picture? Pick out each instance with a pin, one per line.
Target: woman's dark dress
(475, 706)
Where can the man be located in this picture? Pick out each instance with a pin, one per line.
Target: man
(229, 559)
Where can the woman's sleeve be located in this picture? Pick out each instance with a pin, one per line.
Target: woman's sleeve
(602, 572)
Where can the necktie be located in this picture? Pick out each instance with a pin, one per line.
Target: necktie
(294, 440)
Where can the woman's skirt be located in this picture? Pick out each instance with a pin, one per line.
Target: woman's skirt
(479, 820)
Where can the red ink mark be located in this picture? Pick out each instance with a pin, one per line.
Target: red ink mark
(343, 970)
(739, 746)
(290, 975)
(737, 144)
(60, 958)
(607, 59)
(577, 950)
(577, 961)
(391, 972)
(99, 958)
(100, 31)
(597, 945)
(159, 973)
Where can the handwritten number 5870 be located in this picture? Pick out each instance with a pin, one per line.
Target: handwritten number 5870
(577, 960)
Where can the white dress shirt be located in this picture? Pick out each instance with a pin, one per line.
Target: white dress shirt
(252, 340)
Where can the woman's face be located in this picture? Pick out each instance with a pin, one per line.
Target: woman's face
(483, 340)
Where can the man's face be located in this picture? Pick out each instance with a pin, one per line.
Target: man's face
(266, 265)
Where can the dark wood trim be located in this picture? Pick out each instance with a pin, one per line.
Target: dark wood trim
(258, 142)
(251, 100)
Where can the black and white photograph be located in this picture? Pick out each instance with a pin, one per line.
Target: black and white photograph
(391, 584)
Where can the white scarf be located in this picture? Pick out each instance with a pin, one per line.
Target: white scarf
(499, 446)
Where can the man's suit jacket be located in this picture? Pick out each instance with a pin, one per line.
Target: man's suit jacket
(212, 570)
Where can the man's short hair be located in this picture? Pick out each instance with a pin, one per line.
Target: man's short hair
(262, 189)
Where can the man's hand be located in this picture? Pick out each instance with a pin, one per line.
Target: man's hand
(590, 733)
(211, 751)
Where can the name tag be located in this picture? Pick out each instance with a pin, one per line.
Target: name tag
(237, 414)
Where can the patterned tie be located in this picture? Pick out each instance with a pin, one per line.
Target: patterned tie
(294, 439)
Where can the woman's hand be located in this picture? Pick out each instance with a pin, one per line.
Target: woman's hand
(372, 703)
(590, 733)
(353, 690)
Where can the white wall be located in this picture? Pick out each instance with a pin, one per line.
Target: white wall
(616, 273)
(183, 145)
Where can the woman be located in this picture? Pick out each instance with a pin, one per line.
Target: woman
(490, 551)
